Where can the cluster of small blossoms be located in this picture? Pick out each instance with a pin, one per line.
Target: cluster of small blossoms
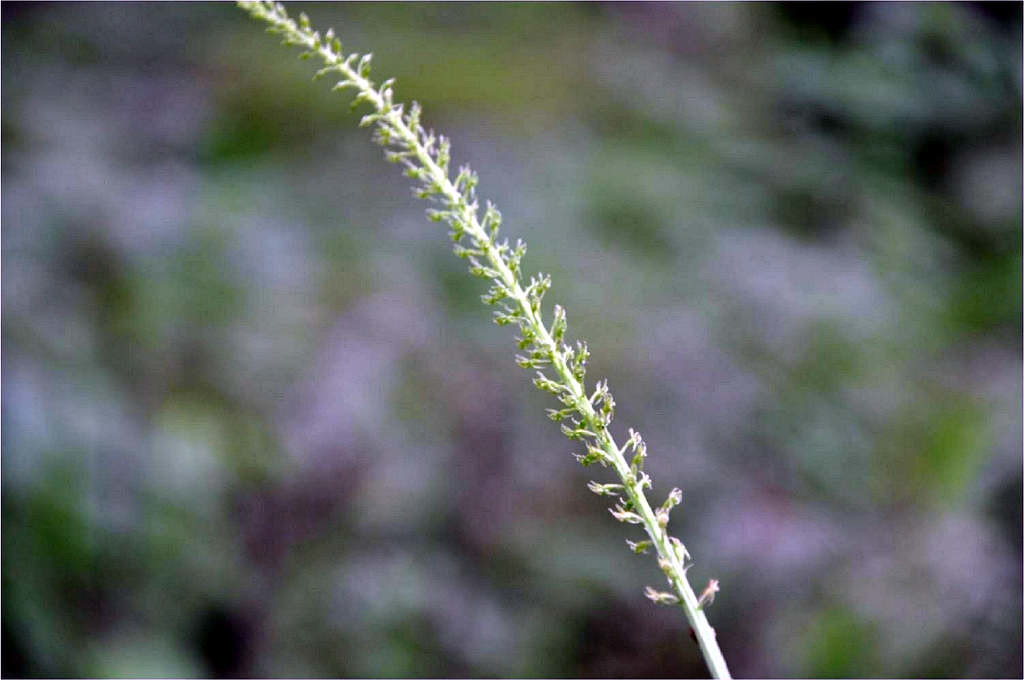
(559, 366)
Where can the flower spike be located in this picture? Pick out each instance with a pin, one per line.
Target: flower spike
(426, 159)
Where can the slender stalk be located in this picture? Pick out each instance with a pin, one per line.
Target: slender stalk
(426, 159)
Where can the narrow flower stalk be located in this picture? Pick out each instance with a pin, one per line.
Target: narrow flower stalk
(560, 367)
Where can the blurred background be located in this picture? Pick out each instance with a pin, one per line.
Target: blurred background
(257, 422)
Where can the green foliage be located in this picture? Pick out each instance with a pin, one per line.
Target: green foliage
(989, 295)
(838, 641)
(934, 455)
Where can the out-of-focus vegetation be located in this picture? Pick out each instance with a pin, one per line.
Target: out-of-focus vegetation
(256, 422)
